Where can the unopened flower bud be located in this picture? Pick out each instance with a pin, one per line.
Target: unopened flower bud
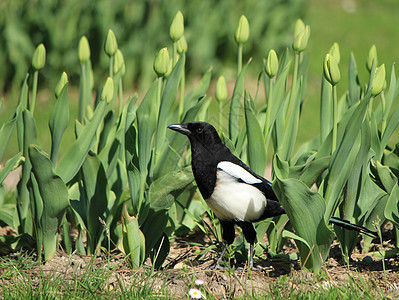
(299, 27)
(84, 50)
(301, 36)
(221, 89)
(334, 51)
(372, 58)
(331, 69)
(61, 83)
(176, 29)
(271, 66)
(111, 44)
(119, 63)
(161, 62)
(39, 57)
(170, 68)
(182, 45)
(242, 32)
(378, 83)
(108, 90)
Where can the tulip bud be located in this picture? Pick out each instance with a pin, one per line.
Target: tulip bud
(108, 90)
(161, 62)
(61, 83)
(299, 27)
(372, 58)
(242, 32)
(176, 29)
(221, 89)
(111, 44)
(119, 63)
(331, 69)
(334, 51)
(182, 45)
(84, 50)
(39, 57)
(170, 68)
(301, 36)
(378, 83)
(271, 66)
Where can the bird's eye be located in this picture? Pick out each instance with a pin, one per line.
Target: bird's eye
(199, 130)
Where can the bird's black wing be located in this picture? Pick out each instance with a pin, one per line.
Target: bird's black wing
(237, 169)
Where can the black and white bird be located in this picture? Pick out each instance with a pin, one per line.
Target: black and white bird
(235, 193)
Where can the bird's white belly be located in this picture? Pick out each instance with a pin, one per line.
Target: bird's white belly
(232, 200)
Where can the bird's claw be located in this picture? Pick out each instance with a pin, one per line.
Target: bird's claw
(216, 266)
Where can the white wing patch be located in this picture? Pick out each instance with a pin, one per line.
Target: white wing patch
(237, 172)
(232, 200)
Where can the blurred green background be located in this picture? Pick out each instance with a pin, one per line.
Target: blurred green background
(355, 25)
(142, 28)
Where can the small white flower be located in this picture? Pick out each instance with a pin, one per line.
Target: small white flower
(199, 282)
(195, 294)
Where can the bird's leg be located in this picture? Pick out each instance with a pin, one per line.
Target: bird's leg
(228, 236)
(250, 235)
(217, 264)
(251, 256)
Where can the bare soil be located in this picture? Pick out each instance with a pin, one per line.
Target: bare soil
(184, 265)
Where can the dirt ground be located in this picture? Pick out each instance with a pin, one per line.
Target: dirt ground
(184, 265)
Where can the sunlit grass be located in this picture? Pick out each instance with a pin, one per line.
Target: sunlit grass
(24, 278)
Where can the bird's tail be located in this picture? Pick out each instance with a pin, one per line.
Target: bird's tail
(348, 225)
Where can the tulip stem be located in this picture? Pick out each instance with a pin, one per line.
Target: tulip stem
(82, 96)
(268, 111)
(34, 92)
(384, 114)
(370, 109)
(174, 57)
(159, 91)
(293, 88)
(181, 103)
(335, 119)
(111, 66)
(239, 59)
(120, 107)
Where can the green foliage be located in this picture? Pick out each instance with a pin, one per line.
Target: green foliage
(110, 172)
(331, 175)
(125, 177)
(305, 209)
(49, 196)
(61, 24)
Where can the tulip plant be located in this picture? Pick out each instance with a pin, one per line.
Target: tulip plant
(125, 181)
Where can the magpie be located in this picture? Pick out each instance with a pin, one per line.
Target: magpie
(235, 193)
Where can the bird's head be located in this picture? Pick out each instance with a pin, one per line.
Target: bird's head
(199, 132)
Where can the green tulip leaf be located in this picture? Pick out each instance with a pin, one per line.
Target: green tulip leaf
(54, 195)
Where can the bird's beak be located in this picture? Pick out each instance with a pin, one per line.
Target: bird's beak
(181, 128)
